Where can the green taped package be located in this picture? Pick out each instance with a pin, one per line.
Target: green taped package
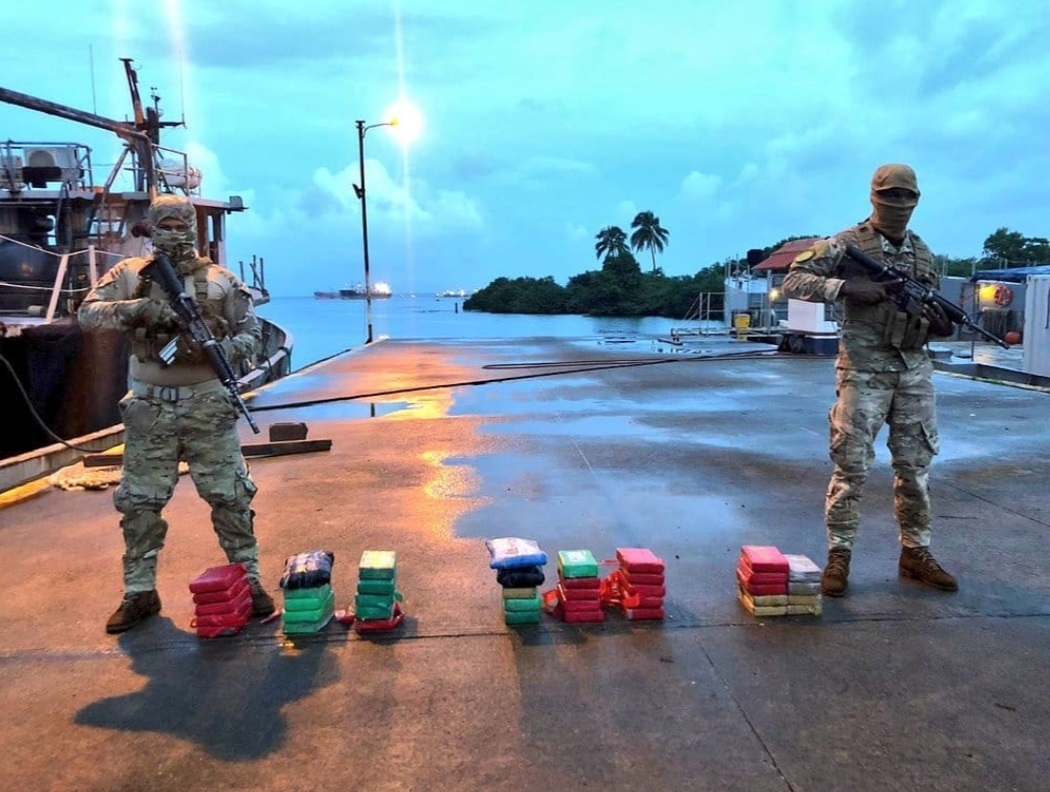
(321, 611)
(522, 605)
(384, 601)
(377, 565)
(577, 564)
(387, 586)
(521, 617)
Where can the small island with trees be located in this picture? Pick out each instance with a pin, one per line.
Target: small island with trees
(621, 288)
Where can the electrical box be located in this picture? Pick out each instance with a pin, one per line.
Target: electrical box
(809, 317)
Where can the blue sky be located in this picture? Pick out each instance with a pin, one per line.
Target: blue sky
(737, 124)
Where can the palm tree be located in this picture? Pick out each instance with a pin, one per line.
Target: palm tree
(648, 234)
(612, 241)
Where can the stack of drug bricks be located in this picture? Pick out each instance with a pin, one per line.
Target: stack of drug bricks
(640, 579)
(519, 572)
(222, 601)
(578, 596)
(803, 586)
(309, 601)
(377, 604)
(762, 580)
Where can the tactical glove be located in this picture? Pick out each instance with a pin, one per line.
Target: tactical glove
(940, 325)
(865, 292)
(149, 313)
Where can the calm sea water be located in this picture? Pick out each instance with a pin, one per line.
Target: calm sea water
(322, 328)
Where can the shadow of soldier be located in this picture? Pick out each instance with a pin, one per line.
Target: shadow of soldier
(225, 694)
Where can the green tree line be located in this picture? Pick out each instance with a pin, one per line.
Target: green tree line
(621, 288)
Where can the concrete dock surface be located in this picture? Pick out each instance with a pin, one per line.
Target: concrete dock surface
(437, 446)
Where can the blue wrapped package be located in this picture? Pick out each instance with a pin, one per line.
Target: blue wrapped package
(307, 570)
(512, 553)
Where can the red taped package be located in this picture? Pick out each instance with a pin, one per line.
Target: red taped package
(763, 558)
(233, 605)
(644, 591)
(642, 602)
(223, 624)
(553, 606)
(762, 578)
(379, 625)
(211, 597)
(579, 583)
(581, 606)
(579, 595)
(218, 578)
(642, 579)
(639, 559)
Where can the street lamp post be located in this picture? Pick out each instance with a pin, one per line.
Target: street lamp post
(361, 129)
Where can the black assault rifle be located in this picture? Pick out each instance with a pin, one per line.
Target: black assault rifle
(911, 295)
(189, 313)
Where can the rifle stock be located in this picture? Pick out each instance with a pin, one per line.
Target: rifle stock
(914, 293)
(161, 271)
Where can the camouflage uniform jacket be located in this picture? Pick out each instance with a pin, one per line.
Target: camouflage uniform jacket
(817, 275)
(226, 305)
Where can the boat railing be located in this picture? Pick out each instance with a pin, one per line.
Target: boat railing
(706, 316)
(25, 165)
(78, 271)
(174, 171)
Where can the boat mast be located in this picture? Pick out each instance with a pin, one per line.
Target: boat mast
(141, 135)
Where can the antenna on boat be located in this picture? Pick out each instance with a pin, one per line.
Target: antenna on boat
(148, 123)
(136, 139)
(91, 62)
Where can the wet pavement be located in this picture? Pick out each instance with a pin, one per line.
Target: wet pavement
(576, 445)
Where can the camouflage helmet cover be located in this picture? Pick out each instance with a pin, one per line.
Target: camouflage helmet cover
(168, 206)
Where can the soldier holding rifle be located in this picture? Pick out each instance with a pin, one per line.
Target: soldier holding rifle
(178, 406)
(883, 374)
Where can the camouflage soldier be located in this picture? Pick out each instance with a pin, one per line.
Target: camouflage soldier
(181, 410)
(883, 375)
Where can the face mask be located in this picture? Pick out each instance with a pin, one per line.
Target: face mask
(177, 245)
(891, 217)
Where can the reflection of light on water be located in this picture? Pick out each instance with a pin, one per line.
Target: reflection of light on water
(449, 481)
(448, 489)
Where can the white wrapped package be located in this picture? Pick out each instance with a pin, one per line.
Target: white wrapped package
(511, 552)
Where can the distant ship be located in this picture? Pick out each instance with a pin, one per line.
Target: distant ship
(456, 293)
(326, 295)
(379, 291)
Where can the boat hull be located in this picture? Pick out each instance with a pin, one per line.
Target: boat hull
(74, 380)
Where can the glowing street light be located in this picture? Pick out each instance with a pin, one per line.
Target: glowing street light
(406, 122)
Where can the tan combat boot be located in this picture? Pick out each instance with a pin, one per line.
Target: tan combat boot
(835, 580)
(133, 609)
(262, 603)
(918, 563)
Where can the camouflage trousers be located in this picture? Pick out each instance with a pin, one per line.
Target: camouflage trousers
(866, 400)
(197, 424)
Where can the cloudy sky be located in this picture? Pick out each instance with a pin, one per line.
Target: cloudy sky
(737, 123)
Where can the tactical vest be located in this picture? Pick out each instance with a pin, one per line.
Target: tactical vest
(897, 328)
(146, 343)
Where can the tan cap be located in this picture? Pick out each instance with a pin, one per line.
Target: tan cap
(889, 176)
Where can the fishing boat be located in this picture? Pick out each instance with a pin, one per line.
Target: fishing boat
(377, 291)
(61, 228)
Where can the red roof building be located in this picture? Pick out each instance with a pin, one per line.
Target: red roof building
(780, 259)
